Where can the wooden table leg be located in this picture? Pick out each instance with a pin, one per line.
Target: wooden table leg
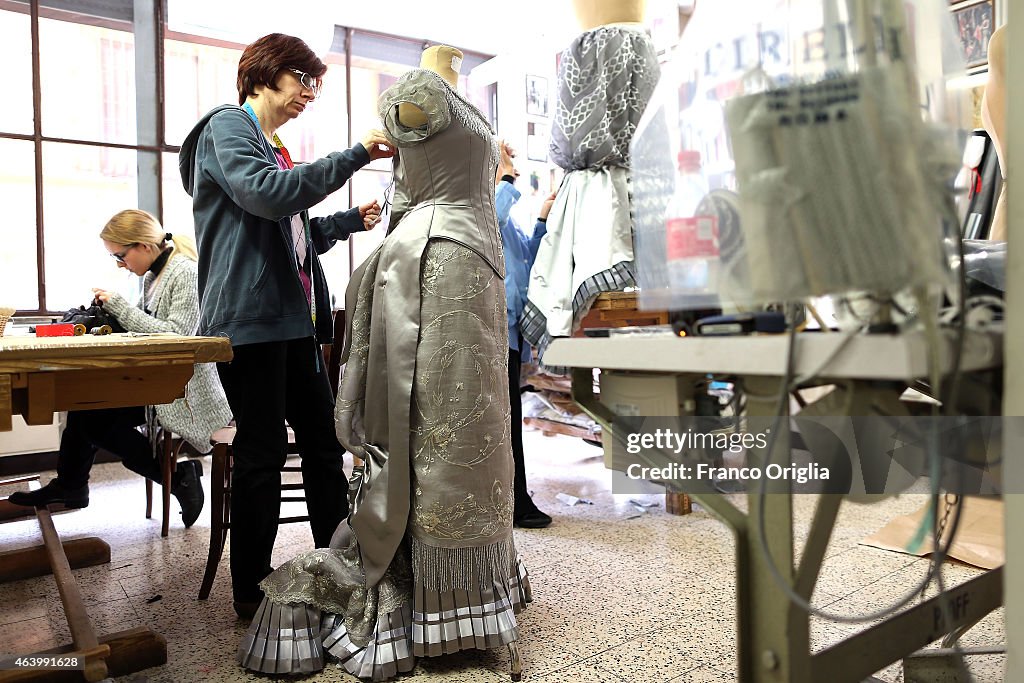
(677, 503)
(42, 397)
(6, 410)
(27, 563)
(130, 651)
(82, 633)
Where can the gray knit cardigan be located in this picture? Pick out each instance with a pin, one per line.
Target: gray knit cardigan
(173, 300)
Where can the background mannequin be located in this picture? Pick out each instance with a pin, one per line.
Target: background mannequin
(606, 76)
(443, 60)
(594, 13)
(993, 114)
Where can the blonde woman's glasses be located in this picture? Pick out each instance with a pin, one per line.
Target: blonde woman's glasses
(119, 256)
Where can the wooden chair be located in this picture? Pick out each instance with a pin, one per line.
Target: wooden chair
(220, 500)
(169, 450)
(220, 478)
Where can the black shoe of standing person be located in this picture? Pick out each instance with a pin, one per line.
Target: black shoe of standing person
(54, 492)
(246, 609)
(529, 516)
(247, 605)
(188, 490)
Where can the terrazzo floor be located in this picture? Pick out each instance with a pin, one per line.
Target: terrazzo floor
(619, 594)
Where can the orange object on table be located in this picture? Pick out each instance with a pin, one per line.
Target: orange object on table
(56, 330)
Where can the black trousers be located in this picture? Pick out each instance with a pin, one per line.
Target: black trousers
(267, 384)
(521, 494)
(113, 430)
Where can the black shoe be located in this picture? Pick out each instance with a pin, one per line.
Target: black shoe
(531, 519)
(189, 491)
(246, 610)
(53, 492)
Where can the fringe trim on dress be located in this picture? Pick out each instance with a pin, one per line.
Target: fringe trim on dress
(449, 569)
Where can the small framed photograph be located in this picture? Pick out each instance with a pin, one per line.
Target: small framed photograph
(537, 137)
(975, 22)
(536, 95)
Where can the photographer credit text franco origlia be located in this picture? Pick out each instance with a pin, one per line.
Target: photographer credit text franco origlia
(701, 471)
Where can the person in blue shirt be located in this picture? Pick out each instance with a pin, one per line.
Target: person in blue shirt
(520, 252)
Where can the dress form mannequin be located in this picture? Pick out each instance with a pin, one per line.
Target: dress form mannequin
(594, 13)
(431, 533)
(606, 76)
(993, 115)
(443, 60)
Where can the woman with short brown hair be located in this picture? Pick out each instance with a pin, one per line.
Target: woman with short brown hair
(262, 286)
(265, 59)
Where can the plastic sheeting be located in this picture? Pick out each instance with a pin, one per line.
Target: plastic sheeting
(825, 145)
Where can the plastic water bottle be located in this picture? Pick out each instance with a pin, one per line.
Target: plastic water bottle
(691, 239)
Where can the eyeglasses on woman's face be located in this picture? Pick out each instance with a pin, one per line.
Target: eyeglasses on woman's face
(308, 82)
(119, 255)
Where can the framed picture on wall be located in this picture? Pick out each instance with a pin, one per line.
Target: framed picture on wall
(536, 95)
(975, 21)
(537, 138)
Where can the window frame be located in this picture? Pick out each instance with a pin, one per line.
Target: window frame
(150, 176)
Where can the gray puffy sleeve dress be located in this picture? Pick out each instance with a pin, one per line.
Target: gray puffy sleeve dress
(425, 564)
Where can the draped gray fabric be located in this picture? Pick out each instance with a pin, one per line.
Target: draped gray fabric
(605, 79)
(424, 402)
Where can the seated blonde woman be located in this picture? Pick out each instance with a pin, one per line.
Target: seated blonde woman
(170, 303)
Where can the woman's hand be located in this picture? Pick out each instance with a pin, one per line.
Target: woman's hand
(102, 295)
(545, 208)
(370, 213)
(377, 145)
(505, 163)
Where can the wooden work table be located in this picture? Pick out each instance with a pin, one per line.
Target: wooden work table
(41, 376)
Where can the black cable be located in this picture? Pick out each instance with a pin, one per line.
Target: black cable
(948, 397)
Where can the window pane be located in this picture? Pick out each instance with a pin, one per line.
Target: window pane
(197, 79)
(322, 128)
(368, 185)
(177, 204)
(369, 79)
(16, 53)
(18, 273)
(87, 78)
(84, 186)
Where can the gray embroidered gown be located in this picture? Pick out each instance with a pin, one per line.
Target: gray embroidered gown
(605, 79)
(425, 565)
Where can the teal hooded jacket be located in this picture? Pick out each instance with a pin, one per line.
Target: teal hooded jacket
(242, 203)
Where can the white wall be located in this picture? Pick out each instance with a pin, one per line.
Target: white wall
(509, 71)
(25, 439)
